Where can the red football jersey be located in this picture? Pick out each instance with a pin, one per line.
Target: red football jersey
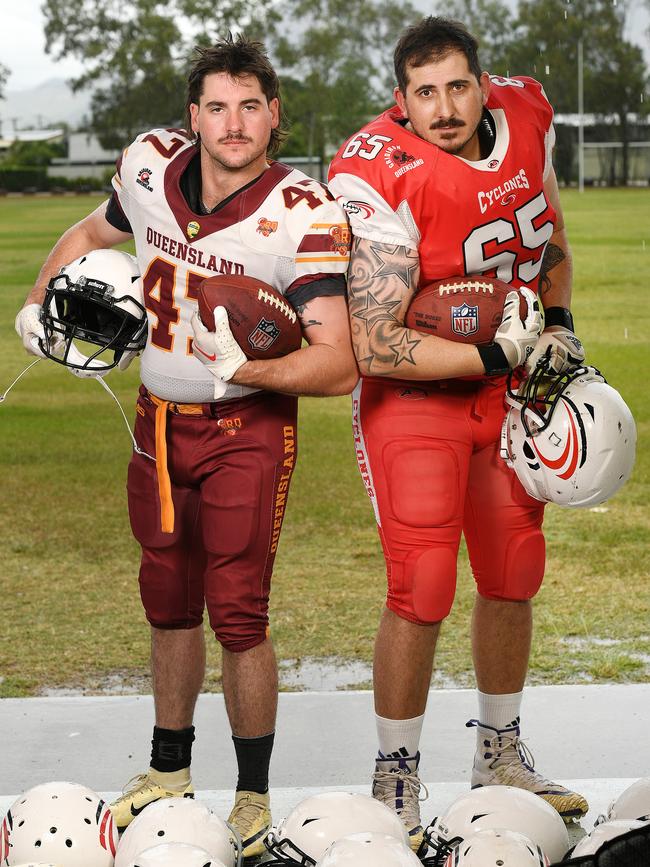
(464, 217)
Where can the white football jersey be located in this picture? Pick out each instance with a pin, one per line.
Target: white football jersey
(284, 228)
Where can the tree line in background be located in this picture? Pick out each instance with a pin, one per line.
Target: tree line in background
(335, 58)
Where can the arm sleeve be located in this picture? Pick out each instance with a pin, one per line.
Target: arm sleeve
(116, 216)
(301, 293)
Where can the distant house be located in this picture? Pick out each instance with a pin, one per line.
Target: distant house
(8, 137)
(86, 158)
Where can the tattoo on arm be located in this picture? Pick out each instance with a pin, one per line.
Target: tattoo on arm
(300, 310)
(381, 282)
(553, 255)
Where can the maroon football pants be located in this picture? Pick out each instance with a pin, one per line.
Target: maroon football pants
(230, 468)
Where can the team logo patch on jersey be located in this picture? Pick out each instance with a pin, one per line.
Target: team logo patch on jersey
(144, 176)
(266, 227)
(341, 239)
(264, 334)
(193, 229)
(464, 319)
(361, 209)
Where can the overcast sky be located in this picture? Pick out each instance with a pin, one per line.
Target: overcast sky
(22, 46)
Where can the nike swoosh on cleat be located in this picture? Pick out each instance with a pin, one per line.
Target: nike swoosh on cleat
(135, 811)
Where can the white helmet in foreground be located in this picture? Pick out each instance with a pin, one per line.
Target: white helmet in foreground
(499, 808)
(369, 849)
(321, 820)
(495, 848)
(590, 844)
(570, 439)
(179, 820)
(95, 301)
(632, 803)
(175, 855)
(65, 823)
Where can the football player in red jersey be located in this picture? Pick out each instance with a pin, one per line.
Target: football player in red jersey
(208, 515)
(456, 179)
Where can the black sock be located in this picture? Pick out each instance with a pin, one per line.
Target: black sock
(171, 749)
(253, 760)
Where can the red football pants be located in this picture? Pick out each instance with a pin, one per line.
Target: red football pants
(429, 457)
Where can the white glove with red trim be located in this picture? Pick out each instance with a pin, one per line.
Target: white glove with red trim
(561, 346)
(217, 350)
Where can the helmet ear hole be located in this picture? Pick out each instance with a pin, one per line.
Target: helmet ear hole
(571, 439)
(94, 312)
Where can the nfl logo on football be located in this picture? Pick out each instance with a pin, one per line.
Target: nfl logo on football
(264, 334)
(464, 319)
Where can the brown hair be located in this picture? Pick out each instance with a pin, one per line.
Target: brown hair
(237, 57)
(432, 39)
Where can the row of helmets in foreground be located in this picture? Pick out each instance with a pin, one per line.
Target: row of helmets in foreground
(65, 824)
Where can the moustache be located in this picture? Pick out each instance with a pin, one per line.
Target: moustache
(236, 138)
(448, 122)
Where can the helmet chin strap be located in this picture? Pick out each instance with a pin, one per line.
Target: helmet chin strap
(100, 379)
(106, 386)
(20, 375)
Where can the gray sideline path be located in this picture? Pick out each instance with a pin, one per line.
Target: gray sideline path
(593, 738)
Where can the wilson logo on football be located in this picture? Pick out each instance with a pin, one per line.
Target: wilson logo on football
(265, 333)
(565, 465)
(464, 319)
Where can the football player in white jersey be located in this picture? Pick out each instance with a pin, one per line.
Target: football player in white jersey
(208, 512)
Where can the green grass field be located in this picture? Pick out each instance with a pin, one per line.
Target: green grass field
(71, 611)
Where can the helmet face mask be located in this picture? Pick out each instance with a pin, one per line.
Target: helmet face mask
(83, 309)
(570, 438)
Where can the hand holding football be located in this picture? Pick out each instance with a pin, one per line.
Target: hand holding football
(262, 321)
(465, 309)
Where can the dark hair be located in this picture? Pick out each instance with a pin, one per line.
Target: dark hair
(432, 39)
(237, 57)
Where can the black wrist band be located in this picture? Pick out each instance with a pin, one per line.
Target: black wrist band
(494, 359)
(558, 316)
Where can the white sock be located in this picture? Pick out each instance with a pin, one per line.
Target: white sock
(499, 711)
(397, 735)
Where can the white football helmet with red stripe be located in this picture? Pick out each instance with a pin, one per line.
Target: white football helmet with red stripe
(570, 439)
(491, 847)
(65, 823)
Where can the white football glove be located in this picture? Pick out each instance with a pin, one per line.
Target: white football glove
(517, 338)
(562, 348)
(30, 328)
(217, 349)
(125, 359)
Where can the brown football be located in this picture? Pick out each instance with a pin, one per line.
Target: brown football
(464, 309)
(263, 322)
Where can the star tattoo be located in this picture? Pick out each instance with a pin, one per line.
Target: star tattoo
(404, 349)
(395, 260)
(376, 311)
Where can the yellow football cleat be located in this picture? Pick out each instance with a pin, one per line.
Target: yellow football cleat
(138, 793)
(251, 818)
